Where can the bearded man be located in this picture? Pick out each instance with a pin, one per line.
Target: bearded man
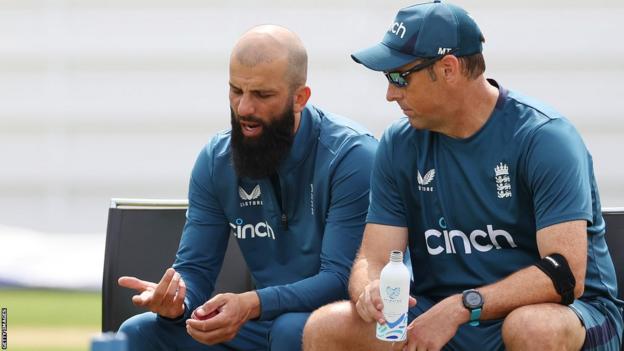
(291, 183)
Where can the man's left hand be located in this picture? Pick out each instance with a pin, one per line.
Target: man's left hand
(434, 328)
(232, 311)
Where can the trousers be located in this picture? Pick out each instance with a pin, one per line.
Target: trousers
(147, 331)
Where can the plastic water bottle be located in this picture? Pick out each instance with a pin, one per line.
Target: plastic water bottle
(109, 342)
(394, 288)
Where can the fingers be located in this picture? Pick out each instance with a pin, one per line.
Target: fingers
(172, 290)
(142, 300)
(211, 307)
(202, 314)
(219, 321)
(135, 283)
(412, 342)
(200, 336)
(163, 285)
(171, 303)
(221, 327)
(369, 305)
(179, 297)
(376, 306)
(362, 310)
(412, 301)
(138, 301)
(210, 337)
(218, 313)
(213, 330)
(165, 298)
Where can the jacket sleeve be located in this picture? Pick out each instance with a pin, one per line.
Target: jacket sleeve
(204, 238)
(342, 236)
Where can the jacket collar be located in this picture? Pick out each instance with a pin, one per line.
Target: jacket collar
(309, 127)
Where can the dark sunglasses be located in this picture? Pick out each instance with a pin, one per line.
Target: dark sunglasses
(399, 78)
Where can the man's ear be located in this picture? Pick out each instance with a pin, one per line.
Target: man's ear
(300, 98)
(450, 68)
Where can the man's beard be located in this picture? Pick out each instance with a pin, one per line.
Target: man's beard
(260, 156)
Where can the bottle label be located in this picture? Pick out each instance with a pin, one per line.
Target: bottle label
(395, 315)
(393, 329)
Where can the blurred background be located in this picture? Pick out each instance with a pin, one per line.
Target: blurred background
(115, 98)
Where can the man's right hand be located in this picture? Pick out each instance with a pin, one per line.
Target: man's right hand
(165, 298)
(369, 305)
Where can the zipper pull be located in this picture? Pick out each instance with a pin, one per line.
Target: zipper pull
(284, 221)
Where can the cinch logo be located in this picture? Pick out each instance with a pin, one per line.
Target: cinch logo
(396, 28)
(250, 199)
(260, 230)
(486, 241)
(423, 181)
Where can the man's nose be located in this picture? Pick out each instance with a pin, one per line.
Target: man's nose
(245, 106)
(393, 93)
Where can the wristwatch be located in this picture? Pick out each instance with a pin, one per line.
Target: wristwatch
(473, 301)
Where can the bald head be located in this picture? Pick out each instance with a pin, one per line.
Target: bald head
(270, 43)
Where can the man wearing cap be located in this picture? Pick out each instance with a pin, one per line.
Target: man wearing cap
(494, 195)
(290, 181)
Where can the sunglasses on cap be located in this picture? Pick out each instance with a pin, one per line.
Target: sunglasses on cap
(399, 78)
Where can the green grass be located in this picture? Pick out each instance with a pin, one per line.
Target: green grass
(51, 308)
(52, 313)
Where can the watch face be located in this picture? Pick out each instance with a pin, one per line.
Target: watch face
(473, 299)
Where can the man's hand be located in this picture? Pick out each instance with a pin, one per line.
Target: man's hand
(165, 298)
(229, 312)
(369, 305)
(434, 328)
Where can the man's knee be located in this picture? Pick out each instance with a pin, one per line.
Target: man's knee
(138, 329)
(287, 331)
(543, 326)
(331, 325)
(326, 318)
(139, 325)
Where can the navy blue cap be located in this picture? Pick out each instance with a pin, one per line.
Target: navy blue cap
(423, 31)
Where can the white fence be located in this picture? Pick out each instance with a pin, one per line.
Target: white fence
(115, 98)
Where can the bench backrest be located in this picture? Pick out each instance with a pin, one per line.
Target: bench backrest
(142, 238)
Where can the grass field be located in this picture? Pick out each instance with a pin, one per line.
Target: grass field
(50, 320)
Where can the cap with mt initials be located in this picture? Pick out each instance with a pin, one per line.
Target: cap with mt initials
(423, 31)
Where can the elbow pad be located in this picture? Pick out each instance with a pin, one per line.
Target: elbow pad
(557, 269)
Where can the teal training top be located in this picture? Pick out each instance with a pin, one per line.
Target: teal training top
(299, 264)
(473, 206)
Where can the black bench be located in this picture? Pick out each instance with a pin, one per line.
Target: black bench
(142, 238)
(152, 229)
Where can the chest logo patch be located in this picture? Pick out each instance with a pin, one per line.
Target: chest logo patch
(250, 199)
(423, 182)
(503, 182)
